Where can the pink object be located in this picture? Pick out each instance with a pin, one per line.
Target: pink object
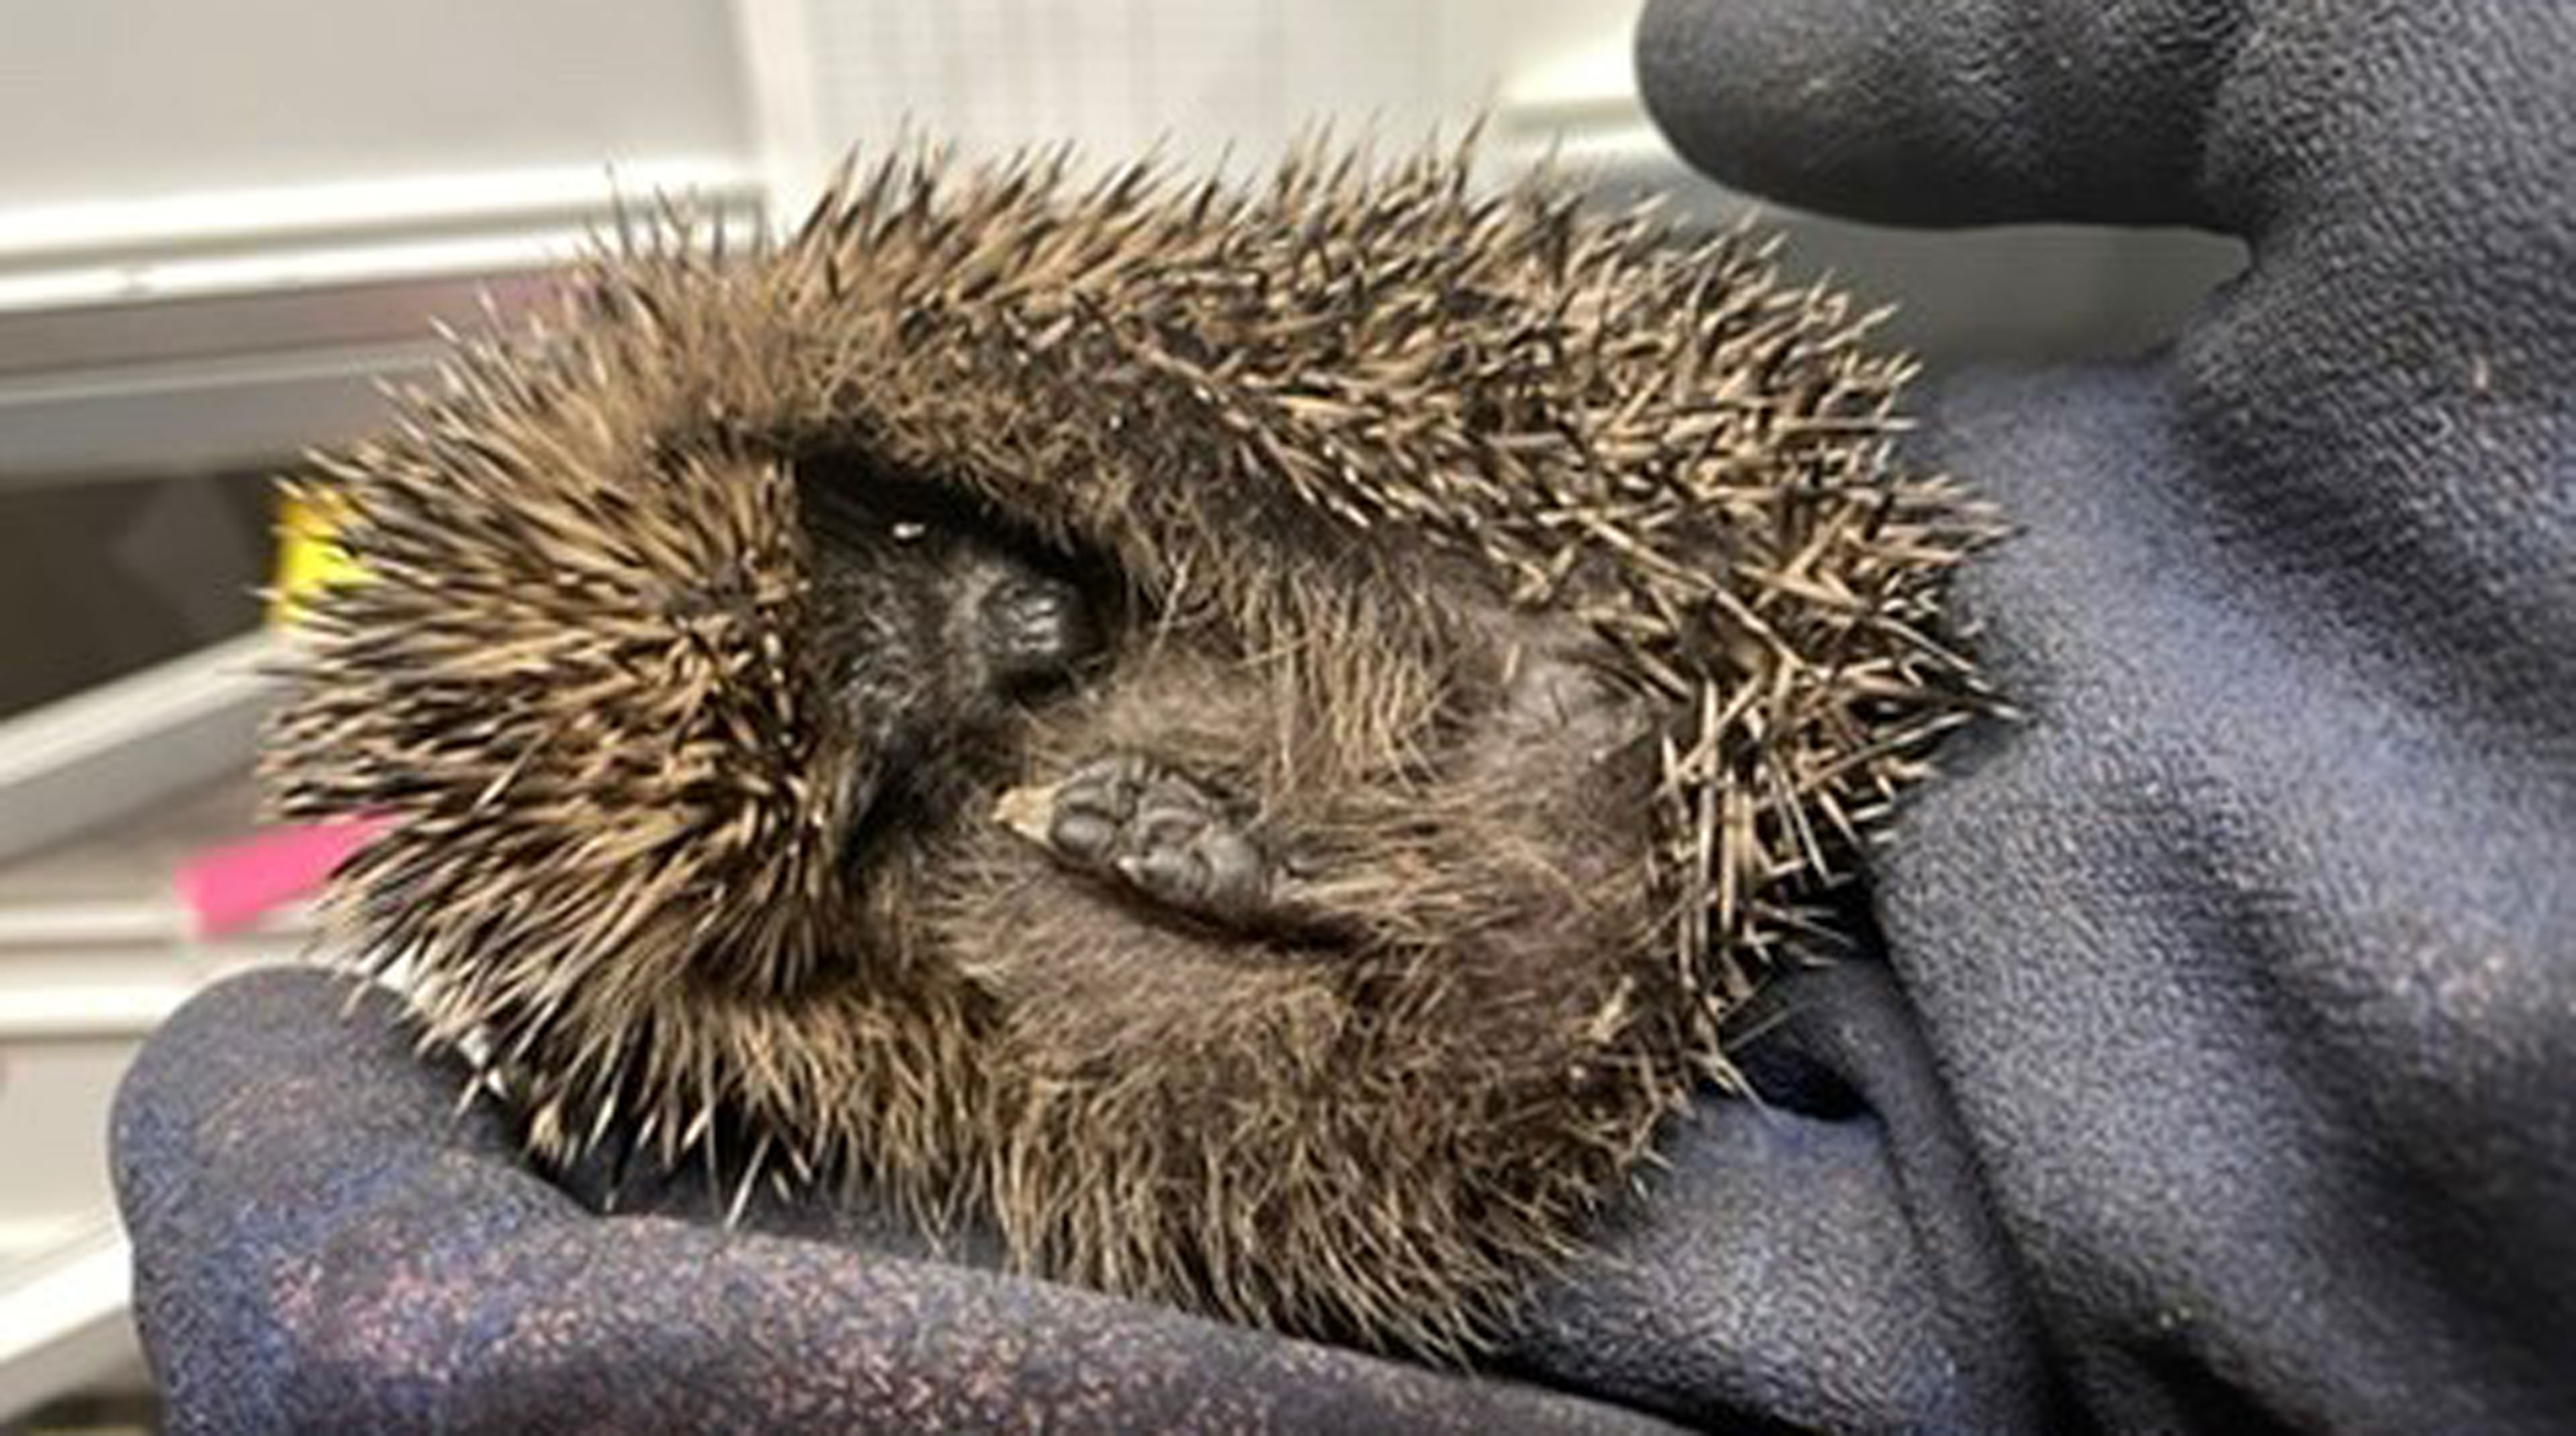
(234, 886)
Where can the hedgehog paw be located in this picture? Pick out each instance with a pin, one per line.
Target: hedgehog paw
(1154, 830)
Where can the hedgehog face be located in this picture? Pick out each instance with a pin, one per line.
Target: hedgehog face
(937, 629)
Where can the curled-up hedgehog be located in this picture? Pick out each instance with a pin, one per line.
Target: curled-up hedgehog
(1241, 739)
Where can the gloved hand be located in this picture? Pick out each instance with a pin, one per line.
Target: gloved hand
(324, 1242)
(2219, 1076)
(2214, 1075)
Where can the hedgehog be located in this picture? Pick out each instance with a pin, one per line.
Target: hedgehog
(1241, 738)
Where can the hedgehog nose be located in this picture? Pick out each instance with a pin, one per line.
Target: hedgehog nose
(1036, 626)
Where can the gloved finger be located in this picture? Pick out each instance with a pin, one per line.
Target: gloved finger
(1946, 111)
(2245, 963)
(321, 1244)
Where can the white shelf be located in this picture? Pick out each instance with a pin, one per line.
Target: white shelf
(64, 1323)
(236, 328)
(101, 796)
(125, 747)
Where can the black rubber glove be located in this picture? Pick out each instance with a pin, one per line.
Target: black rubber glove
(2221, 1075)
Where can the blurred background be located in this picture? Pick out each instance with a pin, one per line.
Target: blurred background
(222, 226)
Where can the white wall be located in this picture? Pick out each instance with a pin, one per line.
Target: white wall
(1198, 76)
(1191, 80)
(125, 99)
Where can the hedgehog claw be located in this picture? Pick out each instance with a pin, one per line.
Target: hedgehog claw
(1080, 834)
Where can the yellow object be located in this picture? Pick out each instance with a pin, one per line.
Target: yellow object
(307, 559)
